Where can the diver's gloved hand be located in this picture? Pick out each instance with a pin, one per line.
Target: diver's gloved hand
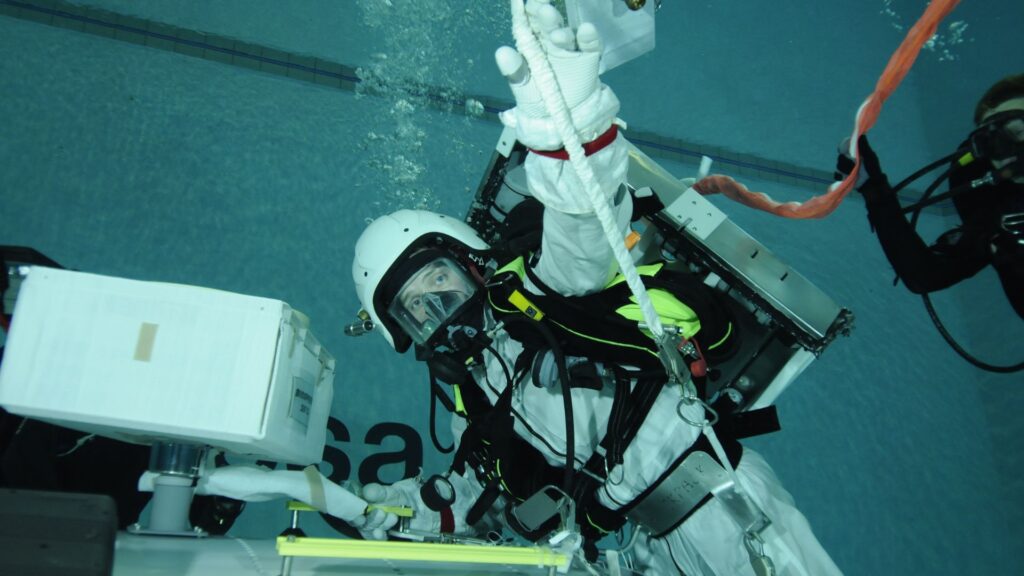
(375, 524)
(871, 181)
(574, 59)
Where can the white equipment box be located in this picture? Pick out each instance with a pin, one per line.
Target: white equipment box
(149, 361)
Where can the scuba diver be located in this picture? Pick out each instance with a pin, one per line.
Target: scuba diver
(553, 425)
(986, 184)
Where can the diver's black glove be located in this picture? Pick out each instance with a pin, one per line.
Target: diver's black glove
(871, 181)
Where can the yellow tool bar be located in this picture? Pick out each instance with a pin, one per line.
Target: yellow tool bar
(419, 551)
(403, 511)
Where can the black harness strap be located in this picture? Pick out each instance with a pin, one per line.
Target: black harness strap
(739, 425)
(580, 324)
(733, 451)
(588, 331)
(629, 411)
(436, 393)
(486, 435)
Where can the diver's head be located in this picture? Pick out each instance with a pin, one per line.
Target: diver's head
(999, 133)
(413, 272)
(1001, 96)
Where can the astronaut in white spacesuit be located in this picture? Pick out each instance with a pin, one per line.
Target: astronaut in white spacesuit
(430, 281)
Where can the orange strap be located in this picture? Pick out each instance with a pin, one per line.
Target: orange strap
(823, 205)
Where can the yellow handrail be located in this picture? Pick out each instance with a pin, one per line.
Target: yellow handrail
(419, 551)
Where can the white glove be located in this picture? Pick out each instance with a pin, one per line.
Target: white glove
(574, 59)
(406, 493)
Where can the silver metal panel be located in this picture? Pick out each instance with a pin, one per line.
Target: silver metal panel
(646, 173)
(506, 141)
(695, 213)
(680, 492)
(784, 288)
(796, 365)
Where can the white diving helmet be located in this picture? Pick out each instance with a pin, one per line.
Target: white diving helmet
(411, 273)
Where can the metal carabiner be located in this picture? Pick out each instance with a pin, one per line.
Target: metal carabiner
(759, 561)
(707, 409)
(668, 352)
(608, 474)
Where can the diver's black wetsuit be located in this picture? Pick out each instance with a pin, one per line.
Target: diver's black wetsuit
(961, 252)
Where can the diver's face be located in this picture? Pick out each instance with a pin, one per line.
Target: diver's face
(1014, 127)
(420, 294)
(431, 297)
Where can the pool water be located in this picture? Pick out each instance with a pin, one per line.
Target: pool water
(165, 160)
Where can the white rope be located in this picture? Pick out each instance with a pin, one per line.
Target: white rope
(532, 51)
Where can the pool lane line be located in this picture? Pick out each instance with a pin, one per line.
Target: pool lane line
(63, 14)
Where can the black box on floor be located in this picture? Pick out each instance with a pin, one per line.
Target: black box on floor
(55, 533)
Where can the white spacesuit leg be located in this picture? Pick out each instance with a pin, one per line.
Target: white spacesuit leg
(711, 543)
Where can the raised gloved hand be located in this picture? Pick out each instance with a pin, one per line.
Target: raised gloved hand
(574, 59)
(375, 524)
(871, 181)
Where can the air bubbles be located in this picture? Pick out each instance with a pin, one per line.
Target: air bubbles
(421, 61)
(474, 107)
(941, 43)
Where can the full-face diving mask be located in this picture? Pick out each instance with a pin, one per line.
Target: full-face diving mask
(431, 297)
(1000, 140)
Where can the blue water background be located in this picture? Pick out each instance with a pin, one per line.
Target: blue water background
(133, 161)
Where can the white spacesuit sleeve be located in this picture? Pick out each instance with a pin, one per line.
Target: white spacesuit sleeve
(575, 256)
